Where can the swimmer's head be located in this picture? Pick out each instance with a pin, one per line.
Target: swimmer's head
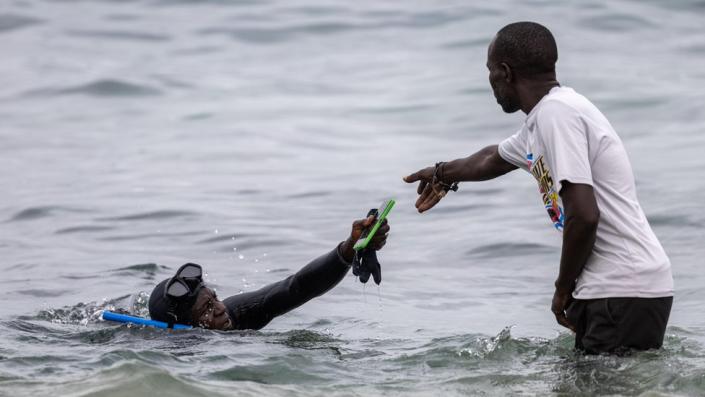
(184, 299)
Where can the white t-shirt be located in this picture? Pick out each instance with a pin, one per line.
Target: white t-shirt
(566, 138)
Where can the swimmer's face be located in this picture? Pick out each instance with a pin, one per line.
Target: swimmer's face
(501, 80)
(208, 312)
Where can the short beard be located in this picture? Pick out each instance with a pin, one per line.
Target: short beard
(508, 105)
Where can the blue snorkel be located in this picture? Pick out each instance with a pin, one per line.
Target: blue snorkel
(124, 318)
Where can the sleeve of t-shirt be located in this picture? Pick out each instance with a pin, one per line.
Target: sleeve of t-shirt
(513, 149)
(564, 136)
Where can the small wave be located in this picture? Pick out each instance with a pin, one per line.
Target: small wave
(144, 270)
(239, 242)
(267, 35)
(44, 292)
(81, 313)
(616, 22)
(34, 213)
(224, 236)
(309, 194)
(134, 377)
(153, 215)
(81, 229)
(10, 22)
(470, 43)
(119, 35)
(674, 220)
(306, 339)
(144, 236)
(100, 88)
(451, 209)
(272, 373)
(471, 350)
(275, 35)
(509, 250)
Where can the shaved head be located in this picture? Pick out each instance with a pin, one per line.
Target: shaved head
(527, 47)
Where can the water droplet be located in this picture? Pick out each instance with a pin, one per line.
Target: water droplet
(241, 256)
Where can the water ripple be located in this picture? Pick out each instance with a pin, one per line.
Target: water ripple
(118, 35)
(98, 88)
(152, 215)
(10, 22)
(509, 250)
(32, 213)
(82, 229)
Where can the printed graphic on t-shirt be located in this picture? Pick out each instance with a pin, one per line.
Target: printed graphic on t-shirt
(547, 188)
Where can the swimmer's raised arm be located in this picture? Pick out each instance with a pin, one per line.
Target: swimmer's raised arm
(185, 298)
(481, 166)
(254, 310)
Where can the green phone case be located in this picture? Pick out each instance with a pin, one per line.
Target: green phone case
(366, 238)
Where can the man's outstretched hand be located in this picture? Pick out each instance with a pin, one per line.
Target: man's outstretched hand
(358, 227)
(429, 194)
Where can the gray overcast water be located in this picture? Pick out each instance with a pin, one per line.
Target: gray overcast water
(247, 135)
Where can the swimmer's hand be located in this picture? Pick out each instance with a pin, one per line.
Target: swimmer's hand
(429, 194)
(358, 227)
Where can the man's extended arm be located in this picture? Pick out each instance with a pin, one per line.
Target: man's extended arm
(579, 231)
(254, 310)
(481, 166)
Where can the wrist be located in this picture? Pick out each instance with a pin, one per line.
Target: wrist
(441, 178)
(346, 250)
(564, 287)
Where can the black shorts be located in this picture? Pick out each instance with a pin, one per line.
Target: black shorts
(615, 325)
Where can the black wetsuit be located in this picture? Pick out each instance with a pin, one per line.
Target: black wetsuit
(254, 310)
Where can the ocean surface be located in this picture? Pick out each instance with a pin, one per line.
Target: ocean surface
(247, 135)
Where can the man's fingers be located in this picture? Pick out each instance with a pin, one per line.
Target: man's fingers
(380, 245)
(359, 225)
(423, 174)
(432, 199)
(430, 202)
(412, 178)
(424, 195)
(563, 320)
(422, 186)
(384, 229)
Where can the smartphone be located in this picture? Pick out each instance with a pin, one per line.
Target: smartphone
(367, 235)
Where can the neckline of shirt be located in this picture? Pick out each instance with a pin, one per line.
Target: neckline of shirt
(532, 114)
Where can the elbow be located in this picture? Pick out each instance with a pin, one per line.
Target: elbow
(586, 221)
(592, 219)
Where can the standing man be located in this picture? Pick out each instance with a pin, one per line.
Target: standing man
(614, 287)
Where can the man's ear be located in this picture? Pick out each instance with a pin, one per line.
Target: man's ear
(508, 75)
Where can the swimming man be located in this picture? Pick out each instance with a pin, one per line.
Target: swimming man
(185, 299)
